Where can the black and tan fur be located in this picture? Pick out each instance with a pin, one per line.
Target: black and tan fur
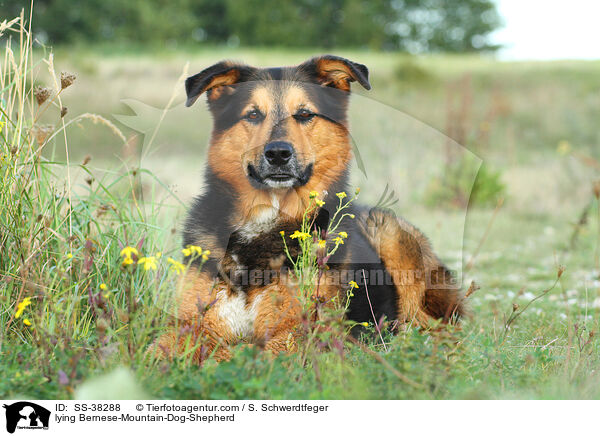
(298, 115)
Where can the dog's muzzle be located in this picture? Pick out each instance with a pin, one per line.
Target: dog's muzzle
(278, 167)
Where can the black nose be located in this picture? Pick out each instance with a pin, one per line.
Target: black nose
(278, 152)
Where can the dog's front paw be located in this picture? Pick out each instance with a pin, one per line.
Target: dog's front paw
(162, 348)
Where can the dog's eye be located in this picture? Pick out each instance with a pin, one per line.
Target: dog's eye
(304, 115)
(254, 116)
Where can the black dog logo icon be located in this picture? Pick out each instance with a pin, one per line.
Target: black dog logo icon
(26, 415)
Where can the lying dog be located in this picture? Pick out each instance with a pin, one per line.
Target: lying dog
(281, 137)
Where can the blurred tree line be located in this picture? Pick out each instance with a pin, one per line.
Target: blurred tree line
(407, 25)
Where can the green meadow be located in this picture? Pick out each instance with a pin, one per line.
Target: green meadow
(122, 164)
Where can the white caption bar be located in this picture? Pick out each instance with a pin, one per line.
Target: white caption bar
(297, 417)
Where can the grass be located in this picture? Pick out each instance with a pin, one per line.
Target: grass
(65, 216)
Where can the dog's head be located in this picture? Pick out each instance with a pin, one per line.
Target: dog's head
(279, 129)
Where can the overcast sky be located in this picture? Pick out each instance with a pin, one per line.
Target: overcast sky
(549, 29)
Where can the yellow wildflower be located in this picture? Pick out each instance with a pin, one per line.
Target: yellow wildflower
(21, 306)
(27, 322)
(158, 254)
(148, 262)
(282, 233)
(300, 235)
(564, 147)
(322, 243)
(128, 251)
(339, 241)
(343, 235)
(127, 261)
(69, 255)
(320, 203)
(313, 194)
(192, 250)
(353, 284)
(103, 287)
(341, 195)
(364, 324)
(176, 267)
(352, 215)
(290, 343)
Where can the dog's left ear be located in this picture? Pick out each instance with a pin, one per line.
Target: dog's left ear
(337, 72)
(215, 80)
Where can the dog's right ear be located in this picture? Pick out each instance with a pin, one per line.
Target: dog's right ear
(215, 80)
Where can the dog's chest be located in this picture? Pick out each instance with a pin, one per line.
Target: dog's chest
(260, 220)
(256, 250)
(257, 262)
(238, 313)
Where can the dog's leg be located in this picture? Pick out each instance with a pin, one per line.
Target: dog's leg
(277, 317)
(279, 313)
(184, 341)
(282, 343)
(408, 257)
(198, 329)
(402, 256)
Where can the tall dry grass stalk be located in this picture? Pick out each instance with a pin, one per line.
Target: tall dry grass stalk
(19, 156)
(36, 216)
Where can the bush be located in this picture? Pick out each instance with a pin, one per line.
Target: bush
(455, 187)
(413, 26)
(410, 72)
